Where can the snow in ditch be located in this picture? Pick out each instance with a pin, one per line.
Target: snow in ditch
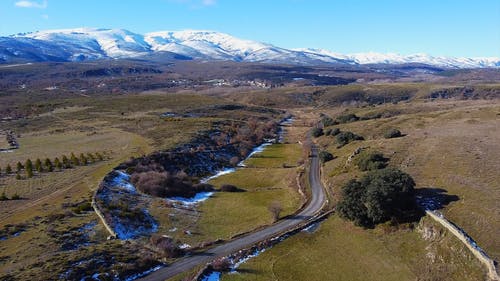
(258, 149)
(213, 276)
(218, 174)
(245, 259)
(142, 274)
(199, 197)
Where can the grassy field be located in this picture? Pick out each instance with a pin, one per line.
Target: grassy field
(330, 254)
(227, 214)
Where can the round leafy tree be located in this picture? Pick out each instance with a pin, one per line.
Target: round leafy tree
(379, 196)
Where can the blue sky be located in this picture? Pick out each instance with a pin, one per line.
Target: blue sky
(436, 27)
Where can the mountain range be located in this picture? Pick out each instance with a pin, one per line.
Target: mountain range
(82, 44)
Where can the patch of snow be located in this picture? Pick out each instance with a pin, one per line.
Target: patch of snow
(245, 259)
(218, 174)
(123, 180)
(173, 229)
(311, 228)
(258, 149)
(184, 246)
(213, 276)
(199, 197)
(142, 274)
(124, 232)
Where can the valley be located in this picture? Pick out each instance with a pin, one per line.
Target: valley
(345, 142)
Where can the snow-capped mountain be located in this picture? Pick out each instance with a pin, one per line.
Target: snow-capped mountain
(392, 58)
(90, 44)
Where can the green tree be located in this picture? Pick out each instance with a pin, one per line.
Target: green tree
(58, 164)
(8, 169)
(28, 165)
(379, 196)
(29, 172)
(74, 160)
(18, 176)
(48, 165)
(99, 156)
(65, 161)
(90, 157)
(83, 159)
(19, 167)
(370, 160)
(38, 165)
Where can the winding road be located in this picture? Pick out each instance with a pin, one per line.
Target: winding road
(318, 198)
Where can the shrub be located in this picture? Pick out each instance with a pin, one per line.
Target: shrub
(275, 209)
(392, 133)
(163, 184)
(379, 196)
(221, 264)
(234, 160)
(317, 132)
(83, 207)
(369, 160)
(325, 156)
(344, 138)
(15, 197)
(335, 131)
(3, 197)
(230, 188)
(328, 121)
(347, 118)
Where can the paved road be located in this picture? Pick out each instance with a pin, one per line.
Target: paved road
(316, 203)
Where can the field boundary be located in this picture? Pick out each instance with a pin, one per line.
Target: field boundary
(101, 215)
(467, 240)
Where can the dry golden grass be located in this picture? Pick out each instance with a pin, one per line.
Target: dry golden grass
(452, 145)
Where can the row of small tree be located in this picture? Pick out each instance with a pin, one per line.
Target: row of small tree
(49, 165)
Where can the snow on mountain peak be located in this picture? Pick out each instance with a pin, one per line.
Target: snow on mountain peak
(93, 43)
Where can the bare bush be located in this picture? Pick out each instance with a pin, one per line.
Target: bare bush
(166, 246)
(275, 209)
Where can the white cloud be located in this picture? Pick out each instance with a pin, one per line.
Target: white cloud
(45, 16)
(32, 4)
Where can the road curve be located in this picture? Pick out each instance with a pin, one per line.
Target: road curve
(316, 203)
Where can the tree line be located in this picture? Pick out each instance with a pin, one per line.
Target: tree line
(30, 167)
